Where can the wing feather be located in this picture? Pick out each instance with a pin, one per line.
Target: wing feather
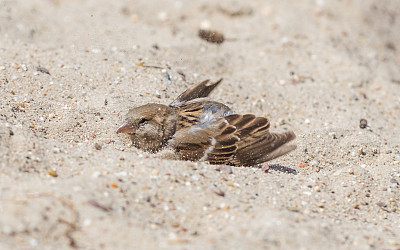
(234, 139)
(200, 90)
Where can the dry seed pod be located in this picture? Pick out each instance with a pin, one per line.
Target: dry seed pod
(211, 36)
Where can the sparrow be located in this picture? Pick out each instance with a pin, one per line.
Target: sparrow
(199, 129)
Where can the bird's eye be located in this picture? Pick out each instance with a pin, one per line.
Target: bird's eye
(143, 121)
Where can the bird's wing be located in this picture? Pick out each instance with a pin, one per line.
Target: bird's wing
(200, 90)
(257, 144)
(198, 111)
(233, 139)
(215, 143)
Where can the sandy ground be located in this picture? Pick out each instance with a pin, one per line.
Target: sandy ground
(316, 67)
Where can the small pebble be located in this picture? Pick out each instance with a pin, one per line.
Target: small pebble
(97, 146)
(265, 167)
(52, 172)
(302, 165)
(211, 36)
(333, 135)
(113, 184)
(15, 65)
(363, 123)
(281, 121)
(361, 151)
(307, 121)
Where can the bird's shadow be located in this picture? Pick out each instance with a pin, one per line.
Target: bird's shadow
(280, 168)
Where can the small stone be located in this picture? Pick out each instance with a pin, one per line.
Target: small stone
(15, 65)
(333, 135)
(363, 123)
(307, 121)
(52, 172)
(363, 166)
(211, 36)
(97, 146)
(96, 174)
(87, 222)
(302, 165)
(162, 16)
(351, 171)
(265, 167)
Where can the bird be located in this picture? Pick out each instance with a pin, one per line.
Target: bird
(200, 129)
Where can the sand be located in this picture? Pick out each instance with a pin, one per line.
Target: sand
(67, 180)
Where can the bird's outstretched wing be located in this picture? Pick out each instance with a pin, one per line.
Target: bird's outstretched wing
(241, 140)
(200, 90)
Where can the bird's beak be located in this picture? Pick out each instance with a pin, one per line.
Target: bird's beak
(126, 128)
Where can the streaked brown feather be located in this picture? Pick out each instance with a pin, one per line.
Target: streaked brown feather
(200, 90)
(190, 112)
(239, 140)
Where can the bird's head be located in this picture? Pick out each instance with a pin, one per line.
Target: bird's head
(150, 126)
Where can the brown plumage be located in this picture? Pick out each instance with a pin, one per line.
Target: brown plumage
(199, 129)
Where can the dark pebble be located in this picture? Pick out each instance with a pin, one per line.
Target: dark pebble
(97, 146)
(211, 36)
(363, 123)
